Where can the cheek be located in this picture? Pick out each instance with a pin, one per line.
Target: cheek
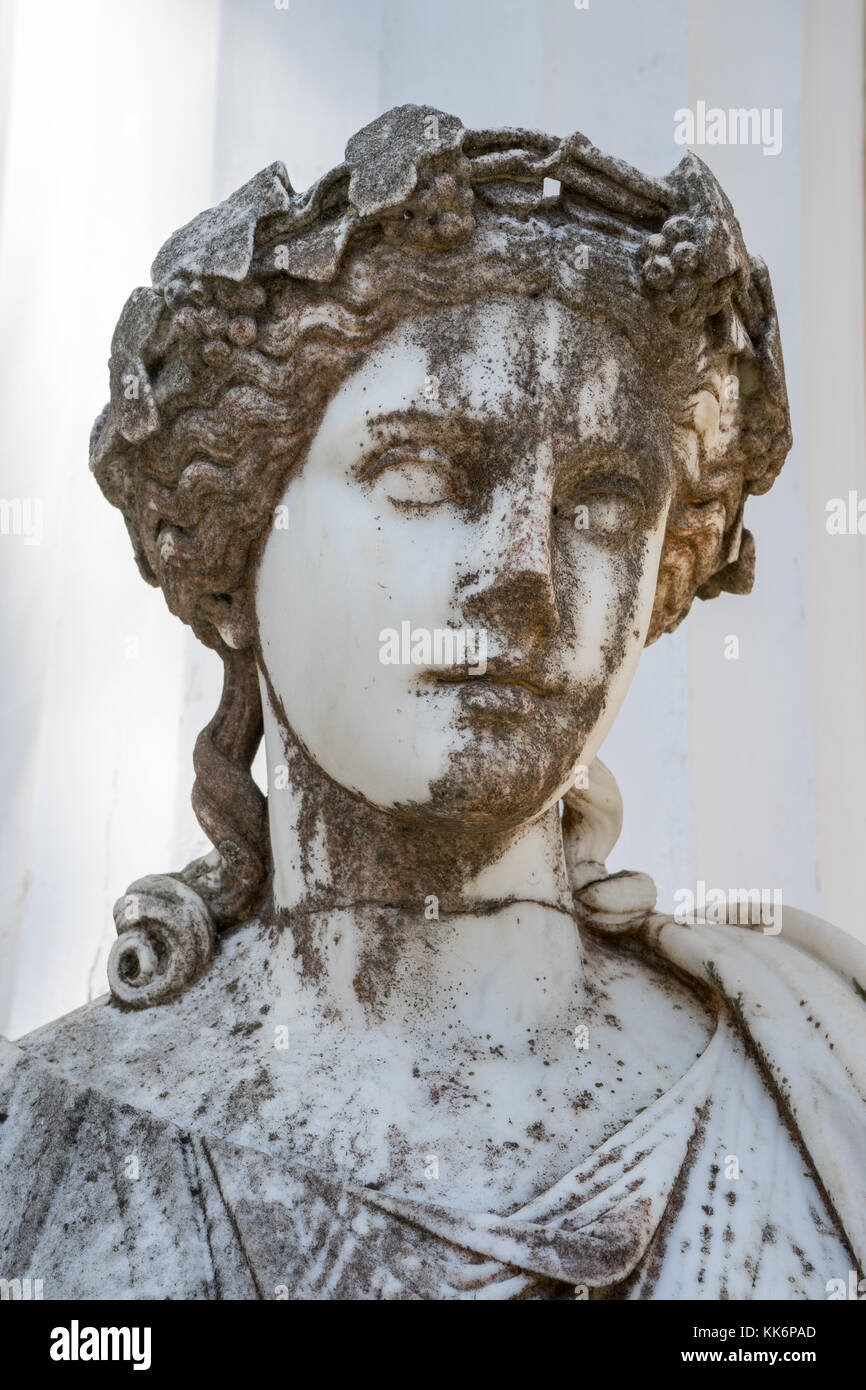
(346, 566)
(606, 602)
(340, 573)
(612, 601)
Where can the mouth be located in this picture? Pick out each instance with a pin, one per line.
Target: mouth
(516, 677)
(500, 694)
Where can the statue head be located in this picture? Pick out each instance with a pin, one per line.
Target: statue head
(428, 454)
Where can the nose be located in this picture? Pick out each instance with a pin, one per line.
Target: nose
(514, 595)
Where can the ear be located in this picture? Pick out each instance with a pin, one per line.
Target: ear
(230, 615)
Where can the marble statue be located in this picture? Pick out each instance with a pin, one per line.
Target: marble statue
(426, 455)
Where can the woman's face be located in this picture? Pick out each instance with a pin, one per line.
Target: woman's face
(499, 472)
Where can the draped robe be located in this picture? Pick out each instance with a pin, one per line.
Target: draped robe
(742, 1181)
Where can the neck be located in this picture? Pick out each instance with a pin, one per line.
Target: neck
(385, 912)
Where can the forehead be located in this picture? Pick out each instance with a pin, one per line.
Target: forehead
(533, 362)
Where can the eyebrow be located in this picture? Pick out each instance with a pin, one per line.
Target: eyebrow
(647, 469)
(393, 419)
(580, 458)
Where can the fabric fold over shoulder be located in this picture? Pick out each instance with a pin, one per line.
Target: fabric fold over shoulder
(799, 997)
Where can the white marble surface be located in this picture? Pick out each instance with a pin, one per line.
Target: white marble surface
(87, 808)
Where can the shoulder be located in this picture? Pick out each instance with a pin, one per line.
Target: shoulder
(799, 995)
(200, 1060)
(787, 945)
(103, 1200)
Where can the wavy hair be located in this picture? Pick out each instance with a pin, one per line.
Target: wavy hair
(260, 308)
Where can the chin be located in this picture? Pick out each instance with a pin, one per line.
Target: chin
(497, 788)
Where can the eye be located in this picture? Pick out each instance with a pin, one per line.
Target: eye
(603, 512)
(413, 478)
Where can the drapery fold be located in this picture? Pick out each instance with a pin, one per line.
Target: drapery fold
(708, 1192)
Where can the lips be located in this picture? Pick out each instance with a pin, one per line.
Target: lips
(503, 692)
(495, 675)
(498, 698)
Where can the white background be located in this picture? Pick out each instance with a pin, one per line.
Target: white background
(118, 122)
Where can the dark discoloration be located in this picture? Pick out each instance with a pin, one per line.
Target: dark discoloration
(261, 307)
(420, 240)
